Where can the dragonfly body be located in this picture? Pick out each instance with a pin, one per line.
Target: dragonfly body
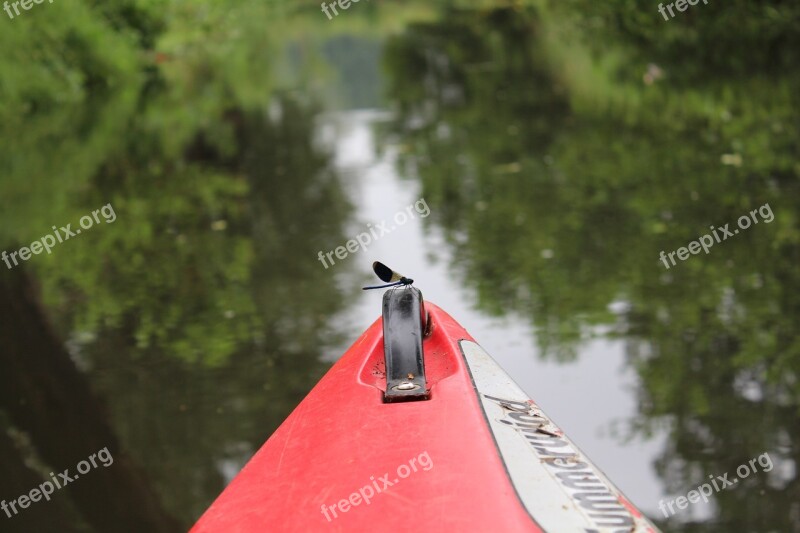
(389, 276)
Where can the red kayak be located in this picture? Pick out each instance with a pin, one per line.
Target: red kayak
(416, 427)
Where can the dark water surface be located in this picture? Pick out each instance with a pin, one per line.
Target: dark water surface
(551, 151)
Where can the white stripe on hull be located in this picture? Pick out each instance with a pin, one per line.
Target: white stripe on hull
(556, 483)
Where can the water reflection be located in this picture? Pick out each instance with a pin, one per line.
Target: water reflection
(559, 211)
(201, 319)
(183, 334)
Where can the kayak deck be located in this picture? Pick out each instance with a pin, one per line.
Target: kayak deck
(477, 455)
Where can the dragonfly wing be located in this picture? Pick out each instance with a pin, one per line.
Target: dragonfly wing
(385, 273)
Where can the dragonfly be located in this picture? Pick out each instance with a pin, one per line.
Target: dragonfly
(389, 276)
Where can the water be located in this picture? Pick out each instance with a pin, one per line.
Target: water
(568, 393)
(557, 154)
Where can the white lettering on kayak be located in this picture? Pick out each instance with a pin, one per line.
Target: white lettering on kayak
(586, 488)
(555, 482)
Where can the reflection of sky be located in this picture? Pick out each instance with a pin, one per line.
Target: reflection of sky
(585, 398)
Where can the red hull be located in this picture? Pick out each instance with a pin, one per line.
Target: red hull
(439, 457)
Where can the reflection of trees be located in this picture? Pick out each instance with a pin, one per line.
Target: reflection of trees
(479, 114)
(727, 383)
(736, 40)
(202, 355)
(557, 212)
(18, 479)
(224, 338)
(45, 396)
(200, 314)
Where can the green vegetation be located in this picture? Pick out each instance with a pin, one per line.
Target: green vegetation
(561, 144)
(204, 297)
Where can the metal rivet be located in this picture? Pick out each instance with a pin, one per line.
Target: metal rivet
(405, 386)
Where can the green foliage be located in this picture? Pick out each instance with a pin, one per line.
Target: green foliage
(765, 40)
(208, 279)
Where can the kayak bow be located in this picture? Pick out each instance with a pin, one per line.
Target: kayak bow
(416, 427)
